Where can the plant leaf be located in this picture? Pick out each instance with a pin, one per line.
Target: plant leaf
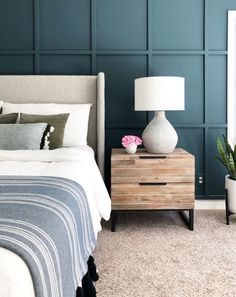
(229, 150)
(227, 156)
(231, 166)
(221, 151)
(224, 158)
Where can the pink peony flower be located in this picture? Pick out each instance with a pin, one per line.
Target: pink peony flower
(138, 140)
(127, 140)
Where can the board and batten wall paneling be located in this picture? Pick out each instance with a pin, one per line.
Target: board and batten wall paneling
(128, 39)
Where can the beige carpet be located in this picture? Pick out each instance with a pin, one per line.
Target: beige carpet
(153, 254)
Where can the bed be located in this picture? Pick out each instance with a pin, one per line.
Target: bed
(55, 234)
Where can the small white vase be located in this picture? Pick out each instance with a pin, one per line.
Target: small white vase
(230, 185)
(131, 149)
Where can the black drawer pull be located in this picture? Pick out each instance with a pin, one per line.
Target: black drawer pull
(152, 184)
(152, 157)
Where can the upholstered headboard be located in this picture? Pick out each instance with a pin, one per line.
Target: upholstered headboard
(62, 89)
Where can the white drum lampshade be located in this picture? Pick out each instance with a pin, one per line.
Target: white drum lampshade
(159, 93)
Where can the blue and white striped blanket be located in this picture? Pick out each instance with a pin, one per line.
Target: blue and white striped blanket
(46, 221)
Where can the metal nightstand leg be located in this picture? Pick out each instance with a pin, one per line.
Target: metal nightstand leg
(189, 221)
(113, 220)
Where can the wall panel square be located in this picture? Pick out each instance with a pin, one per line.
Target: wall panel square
(192, 140)
(64, 24)
(65, 64)
(217, 89)
(120, 72)
(178, 24)
(216, 172)
(190, 67)
(16, 64)
(217, 22)
(121, 24)
(16, 24)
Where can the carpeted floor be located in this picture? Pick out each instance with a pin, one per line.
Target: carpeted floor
(155, 255)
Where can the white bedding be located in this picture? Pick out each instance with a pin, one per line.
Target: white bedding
(75, 163)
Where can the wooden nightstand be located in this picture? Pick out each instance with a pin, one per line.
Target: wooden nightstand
(145, 181)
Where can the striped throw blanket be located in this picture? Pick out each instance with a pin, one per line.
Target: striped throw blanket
(46, 221)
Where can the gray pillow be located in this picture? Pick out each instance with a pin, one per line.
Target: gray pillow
(25, 136)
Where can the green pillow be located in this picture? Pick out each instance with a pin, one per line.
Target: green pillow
(58, 121)
(9, 118)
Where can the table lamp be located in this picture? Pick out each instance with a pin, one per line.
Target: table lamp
(159, 93)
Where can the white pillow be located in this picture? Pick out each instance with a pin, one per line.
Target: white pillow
(76, 128)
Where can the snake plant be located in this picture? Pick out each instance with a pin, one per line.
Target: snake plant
(227, 156)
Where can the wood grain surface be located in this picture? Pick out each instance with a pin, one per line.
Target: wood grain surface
(152, 181)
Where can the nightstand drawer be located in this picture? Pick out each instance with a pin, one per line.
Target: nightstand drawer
(151, 168)
(153, 196)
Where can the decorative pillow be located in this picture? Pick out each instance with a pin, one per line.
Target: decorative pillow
(76, 129)
(58, 121)
(1, 102)
(25, 136)
(9, 118)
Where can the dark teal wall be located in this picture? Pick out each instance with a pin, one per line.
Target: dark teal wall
(128, 39)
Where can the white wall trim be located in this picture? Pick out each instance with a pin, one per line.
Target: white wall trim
(209, 204)
(231, 79)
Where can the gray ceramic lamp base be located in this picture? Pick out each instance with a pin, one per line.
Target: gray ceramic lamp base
(159, 137)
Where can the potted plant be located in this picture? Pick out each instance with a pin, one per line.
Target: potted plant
(227, 156)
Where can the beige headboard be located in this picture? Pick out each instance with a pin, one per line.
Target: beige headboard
(62, 89)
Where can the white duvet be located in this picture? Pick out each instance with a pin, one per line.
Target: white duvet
(77, 164)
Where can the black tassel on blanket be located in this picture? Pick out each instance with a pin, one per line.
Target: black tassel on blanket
(88, 289)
